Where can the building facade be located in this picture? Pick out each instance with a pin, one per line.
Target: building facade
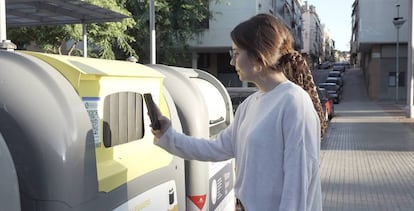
(210, 49)
(312, 35)
(378, 50)
(328, 46)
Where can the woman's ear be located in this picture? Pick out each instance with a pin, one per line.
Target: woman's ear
(258, 68)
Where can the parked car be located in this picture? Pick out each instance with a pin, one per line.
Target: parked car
(325, 65)
(337, 80)
(334, 91)
(335, 73)
(346, 64)
(327, 103)
(339, 67)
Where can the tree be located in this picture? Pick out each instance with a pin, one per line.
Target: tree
(176, 21)
(103, 38)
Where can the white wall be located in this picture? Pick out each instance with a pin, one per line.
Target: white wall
(225, 17)
(375, 24)
(306, 32)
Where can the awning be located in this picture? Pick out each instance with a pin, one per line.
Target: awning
(55, 12)
(51, 12)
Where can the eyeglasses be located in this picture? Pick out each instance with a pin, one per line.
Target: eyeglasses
(233, 52)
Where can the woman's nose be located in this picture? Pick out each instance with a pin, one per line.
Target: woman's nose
(231, 61)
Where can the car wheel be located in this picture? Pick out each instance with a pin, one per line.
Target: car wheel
(331, 115)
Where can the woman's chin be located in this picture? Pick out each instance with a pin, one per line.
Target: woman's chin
(240, 77)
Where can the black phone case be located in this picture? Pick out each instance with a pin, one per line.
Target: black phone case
(155, 124)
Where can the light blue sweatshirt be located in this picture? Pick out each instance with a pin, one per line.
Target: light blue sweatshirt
(275, 140)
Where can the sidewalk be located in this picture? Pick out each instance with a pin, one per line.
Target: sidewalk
(367, 155)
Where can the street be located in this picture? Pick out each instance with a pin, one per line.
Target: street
(367, 155)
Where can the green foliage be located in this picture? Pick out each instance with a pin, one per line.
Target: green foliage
(47, 38)
(102, 38)
(176, 21)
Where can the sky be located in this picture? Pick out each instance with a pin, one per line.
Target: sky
(336, 15)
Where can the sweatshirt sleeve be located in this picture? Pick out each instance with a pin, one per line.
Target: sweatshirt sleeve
(191, 148)
(300, 131)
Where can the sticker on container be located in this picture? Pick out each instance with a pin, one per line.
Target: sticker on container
(91, 105)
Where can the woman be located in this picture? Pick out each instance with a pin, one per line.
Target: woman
(275, 134)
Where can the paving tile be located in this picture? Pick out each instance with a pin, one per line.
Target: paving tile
(367, 154)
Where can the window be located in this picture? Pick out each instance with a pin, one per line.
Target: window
(392, 81)
(123, 118)
(203, 60)
(223, 63)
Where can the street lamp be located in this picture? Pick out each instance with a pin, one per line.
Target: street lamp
(410, 82)
(152, 31)
(2, 20)
(153, 53)
(5, 44)
(398, 22)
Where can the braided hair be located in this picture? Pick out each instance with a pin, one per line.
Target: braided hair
(296, 70)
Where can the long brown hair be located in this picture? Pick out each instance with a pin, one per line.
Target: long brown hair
(267, 38)
(296, 70)
(263, 37)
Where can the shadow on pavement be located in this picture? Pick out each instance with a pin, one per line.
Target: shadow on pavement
(367, 155)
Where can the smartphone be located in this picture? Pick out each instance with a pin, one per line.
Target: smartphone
(152, 112)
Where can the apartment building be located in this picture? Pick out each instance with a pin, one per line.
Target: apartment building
(312, 35)
(210, 50)
(374, 46)
(328, 45)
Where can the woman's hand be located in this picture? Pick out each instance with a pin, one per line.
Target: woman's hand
(165, 124)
